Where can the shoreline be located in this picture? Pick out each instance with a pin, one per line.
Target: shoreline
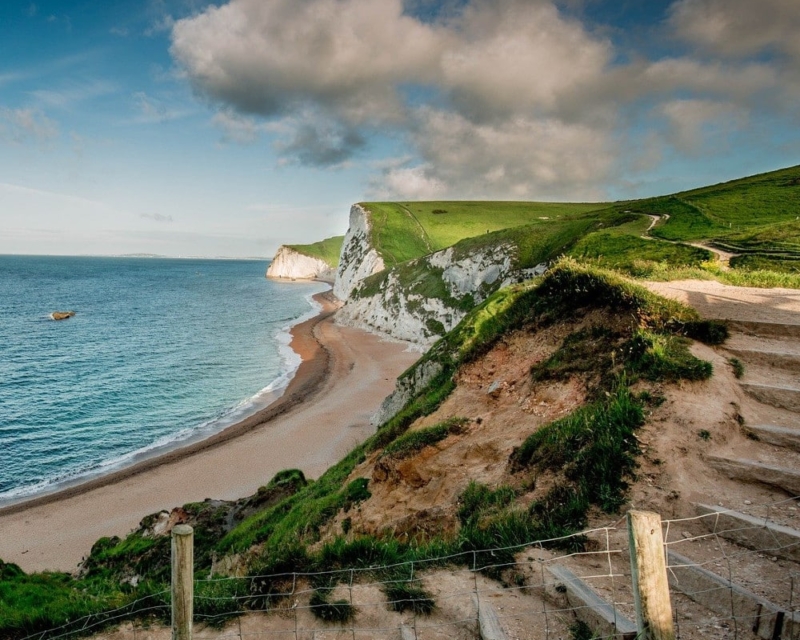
(324, 411)
(307, 378)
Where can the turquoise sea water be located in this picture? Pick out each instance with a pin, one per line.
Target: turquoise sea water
(159, 352)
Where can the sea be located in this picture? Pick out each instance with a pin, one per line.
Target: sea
(160, 353)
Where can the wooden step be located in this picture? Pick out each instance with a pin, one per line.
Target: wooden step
(724, 598)
(751, 532)
(743, 341)
(488, 621)
(782, 397)
(787, 480)
(589, 607)
(785, 437)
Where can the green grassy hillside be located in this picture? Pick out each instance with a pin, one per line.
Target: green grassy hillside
(327, 250)
(403, 231)
(741, 212)
(757, 216)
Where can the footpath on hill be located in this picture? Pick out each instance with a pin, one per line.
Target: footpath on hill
(725, 302)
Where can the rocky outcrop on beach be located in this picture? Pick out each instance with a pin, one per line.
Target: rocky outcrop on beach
(62, 315)
(290, 264)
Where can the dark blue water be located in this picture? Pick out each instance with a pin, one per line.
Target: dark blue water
(159, 352)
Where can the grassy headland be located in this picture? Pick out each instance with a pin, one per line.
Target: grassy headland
(327, 250)
(756, 217)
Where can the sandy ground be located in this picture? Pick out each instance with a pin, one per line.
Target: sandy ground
(324, 413)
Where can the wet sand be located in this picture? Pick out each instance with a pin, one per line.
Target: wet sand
(324, 413)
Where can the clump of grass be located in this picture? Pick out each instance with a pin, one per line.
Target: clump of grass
(336, 611)
(581, 631)
(411, 443)
(662, 357)
(408, 596)
(594, 447)
(704, 434)
(477, 501)
(216, 602)
(589, 350)
(651, 400)
(711, 332)
(737, 366)
(273, 578)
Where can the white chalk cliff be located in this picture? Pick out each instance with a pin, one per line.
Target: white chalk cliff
(400, 306)
(358, 259)
(289, 264)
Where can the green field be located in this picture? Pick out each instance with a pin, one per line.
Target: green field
(730, 210)
(327, 250)
(403, 231)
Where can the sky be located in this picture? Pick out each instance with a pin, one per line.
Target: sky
(189, 128)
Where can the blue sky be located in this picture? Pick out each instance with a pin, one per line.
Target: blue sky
(180, 127)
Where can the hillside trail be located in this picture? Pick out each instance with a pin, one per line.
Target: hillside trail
(423, 234)
(723, 257)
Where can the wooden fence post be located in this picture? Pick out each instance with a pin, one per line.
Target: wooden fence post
(182, 581)
(649, 573)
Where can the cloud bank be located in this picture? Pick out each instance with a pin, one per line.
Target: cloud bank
(493, 98)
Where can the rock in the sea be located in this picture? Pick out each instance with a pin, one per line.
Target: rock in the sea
(61, 315)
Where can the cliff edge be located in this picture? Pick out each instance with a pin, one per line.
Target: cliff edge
(316, 261)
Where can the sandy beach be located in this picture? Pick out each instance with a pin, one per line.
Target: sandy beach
(325, 411)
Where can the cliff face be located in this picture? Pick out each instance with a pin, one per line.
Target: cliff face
(421, 300)
(289, 264)
(359, 259)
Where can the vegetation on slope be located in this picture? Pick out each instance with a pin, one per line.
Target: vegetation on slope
(727, 209)
(755, 216)
(403, 231)
(327, 250)
(592, 451)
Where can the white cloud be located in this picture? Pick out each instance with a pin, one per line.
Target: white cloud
(21, 125)
(701, 126)
(72, 93)
(518, 56)
(494, 98)
(517, 158)
(269, 57)
(153, 110)
(739, 27)
(408, 183)
(238, 128)
(156, 217)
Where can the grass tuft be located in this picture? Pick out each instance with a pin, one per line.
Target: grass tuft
(408, 596)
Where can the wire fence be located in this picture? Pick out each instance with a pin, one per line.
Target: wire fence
(731, 575)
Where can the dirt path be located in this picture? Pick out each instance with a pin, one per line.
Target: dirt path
(726, 302)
